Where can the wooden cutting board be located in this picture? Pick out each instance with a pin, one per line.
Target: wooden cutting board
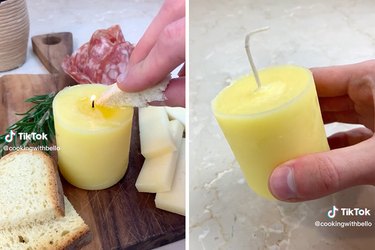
(119, 217)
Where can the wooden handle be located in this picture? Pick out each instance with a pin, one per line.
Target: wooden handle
(52, 48)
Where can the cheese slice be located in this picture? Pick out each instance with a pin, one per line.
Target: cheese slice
(174, 200)
(176, 113)
(157, 173)
(154, 132)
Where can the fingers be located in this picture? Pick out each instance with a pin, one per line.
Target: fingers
(340, 103)
(343, 116)
(316, 175)
(175, 94)
(338, 109)
(331, 81)
(349, 138)
(171, 10)
(166, 55)
(334, 81)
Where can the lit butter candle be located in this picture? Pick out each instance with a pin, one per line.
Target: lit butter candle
(269, 123)
(94, 141)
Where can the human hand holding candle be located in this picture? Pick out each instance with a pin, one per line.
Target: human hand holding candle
(270, 118)
(346, 94)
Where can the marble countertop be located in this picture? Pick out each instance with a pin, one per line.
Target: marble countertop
(82, 18)
(224, 212)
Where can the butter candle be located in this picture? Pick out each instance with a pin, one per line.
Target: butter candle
(269, 124)
(94, 141)
(276, 123)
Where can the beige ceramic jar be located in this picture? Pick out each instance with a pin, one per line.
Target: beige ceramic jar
(14, 33)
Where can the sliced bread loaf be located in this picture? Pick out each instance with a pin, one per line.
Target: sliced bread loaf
(30, 189)
(69, 232)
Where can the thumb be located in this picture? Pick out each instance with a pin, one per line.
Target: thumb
(313, 176)
(175, 94)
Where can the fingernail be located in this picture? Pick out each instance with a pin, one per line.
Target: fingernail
(282, 183)
(121, 82)
(121, 78)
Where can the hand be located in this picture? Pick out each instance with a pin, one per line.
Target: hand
(160, 51)
(346, 94)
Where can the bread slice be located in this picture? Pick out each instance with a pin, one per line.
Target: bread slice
(69, 232)
(30, 191)
(115, 97)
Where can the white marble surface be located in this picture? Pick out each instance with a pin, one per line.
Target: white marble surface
(82, 18)
(224, 212)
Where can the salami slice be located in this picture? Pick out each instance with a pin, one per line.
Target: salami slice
(102, 59)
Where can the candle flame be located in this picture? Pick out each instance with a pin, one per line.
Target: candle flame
(93, 97)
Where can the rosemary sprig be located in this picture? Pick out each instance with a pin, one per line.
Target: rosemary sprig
(39, 120)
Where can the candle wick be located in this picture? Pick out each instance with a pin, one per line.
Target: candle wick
(251, 61)
(93, 104)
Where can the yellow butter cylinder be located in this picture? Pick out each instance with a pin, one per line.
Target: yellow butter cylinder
(94, 142)
(268, 126)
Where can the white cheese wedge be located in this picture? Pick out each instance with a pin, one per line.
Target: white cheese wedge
(176, 113)
(154, 132)
(157, 173)
(174, 200)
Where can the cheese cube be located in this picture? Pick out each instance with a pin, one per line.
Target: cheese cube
(154, 132)
(157, 173)
(174, 200)
(176, 113)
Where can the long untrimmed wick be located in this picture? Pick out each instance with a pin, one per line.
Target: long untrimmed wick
(251, 61)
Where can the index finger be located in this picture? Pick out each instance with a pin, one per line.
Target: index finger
(165, 56)
(171, 11)
(334, 81)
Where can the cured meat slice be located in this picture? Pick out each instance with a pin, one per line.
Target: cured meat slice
(102, 59)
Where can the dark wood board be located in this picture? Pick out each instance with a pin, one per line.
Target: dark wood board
(119, 217)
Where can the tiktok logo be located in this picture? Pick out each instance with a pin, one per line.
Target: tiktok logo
(26, 136)
(332, 212)
(9, 137)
